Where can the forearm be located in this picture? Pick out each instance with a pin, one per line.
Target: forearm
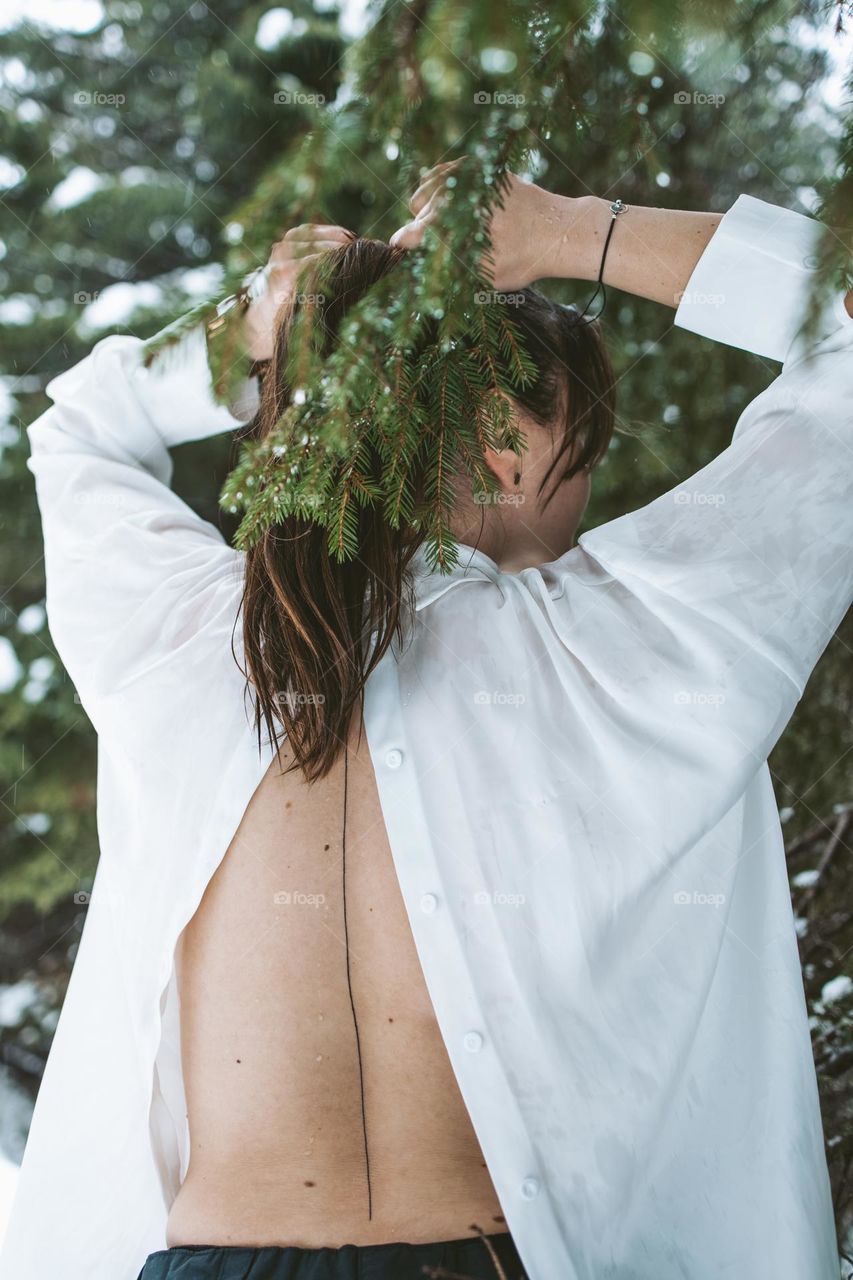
(652, 252)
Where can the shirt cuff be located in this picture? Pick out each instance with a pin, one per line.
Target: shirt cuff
(750, 288)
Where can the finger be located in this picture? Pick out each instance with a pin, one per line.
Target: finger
(426, 191)
(443, 166)
(431, 181)
(408, 236)
(412, 234)
(317, 230)
(294, 250)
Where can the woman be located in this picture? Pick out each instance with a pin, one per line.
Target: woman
(484, 963)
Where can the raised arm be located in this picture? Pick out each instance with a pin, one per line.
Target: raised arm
(116, 538)
(536, 234)
(131, 570)
(653, 253)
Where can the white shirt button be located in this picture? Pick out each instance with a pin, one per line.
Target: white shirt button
(472, 1041)
(429, 902)
(530, 1188)
(394, 758)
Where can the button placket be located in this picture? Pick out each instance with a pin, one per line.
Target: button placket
(445, 960)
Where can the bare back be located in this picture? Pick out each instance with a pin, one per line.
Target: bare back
(271, 996)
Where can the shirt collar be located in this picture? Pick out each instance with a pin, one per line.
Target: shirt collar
(471, 566)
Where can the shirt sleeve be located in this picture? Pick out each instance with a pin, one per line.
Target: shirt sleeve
(128, 563)
(709, 607)
(759, 541)
(750, 288)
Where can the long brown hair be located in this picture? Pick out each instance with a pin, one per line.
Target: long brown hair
(307, 618)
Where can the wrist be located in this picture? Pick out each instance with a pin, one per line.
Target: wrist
(589, 221)
(258, 330)
(567, 236)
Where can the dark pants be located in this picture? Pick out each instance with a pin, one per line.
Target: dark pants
(468, 1259)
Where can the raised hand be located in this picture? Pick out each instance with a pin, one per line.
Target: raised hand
(287, 258)
(513, 247)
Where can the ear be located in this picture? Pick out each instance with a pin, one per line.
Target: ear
(504, 465)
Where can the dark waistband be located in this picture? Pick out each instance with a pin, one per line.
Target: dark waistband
(471, 1258)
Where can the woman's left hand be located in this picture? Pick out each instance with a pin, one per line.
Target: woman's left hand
(515, 262)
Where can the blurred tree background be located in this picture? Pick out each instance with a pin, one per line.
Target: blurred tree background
(146, 146)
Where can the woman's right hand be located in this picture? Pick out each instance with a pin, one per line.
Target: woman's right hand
(511, 226)
(288, 256)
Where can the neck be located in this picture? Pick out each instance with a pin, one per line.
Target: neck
(506, 539)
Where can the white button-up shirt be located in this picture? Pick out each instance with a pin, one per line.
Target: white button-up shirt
(571, 763)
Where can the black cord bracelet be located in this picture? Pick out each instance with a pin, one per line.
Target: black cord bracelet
(616, 208)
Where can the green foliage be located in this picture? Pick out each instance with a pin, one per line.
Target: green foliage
(490, 82)
(361, 429)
